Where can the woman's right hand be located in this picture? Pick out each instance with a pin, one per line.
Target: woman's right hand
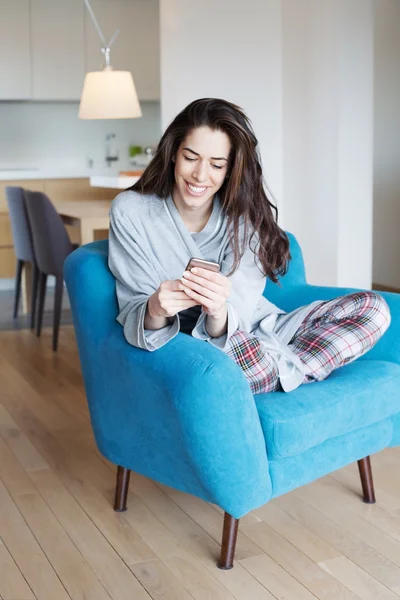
(168, 300)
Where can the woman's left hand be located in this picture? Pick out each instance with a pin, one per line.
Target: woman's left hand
(209, 289)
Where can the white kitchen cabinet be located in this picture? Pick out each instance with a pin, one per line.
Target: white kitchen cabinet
(15, 68)
(136, 48)
(58, 49)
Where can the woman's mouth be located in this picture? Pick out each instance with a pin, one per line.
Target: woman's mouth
(195, 190)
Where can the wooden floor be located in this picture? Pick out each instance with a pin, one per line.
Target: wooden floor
(60, 538)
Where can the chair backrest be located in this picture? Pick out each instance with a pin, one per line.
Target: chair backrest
(20, 227)
(91, 290)
(51, 243)
(295, 276)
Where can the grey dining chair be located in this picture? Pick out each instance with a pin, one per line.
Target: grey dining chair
(51, 245)
(23, 247)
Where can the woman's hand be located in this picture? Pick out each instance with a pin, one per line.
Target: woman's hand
(166, 302)
(169, 299)
(209, 289)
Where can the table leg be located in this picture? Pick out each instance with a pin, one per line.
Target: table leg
(26, 288)
(87, 233)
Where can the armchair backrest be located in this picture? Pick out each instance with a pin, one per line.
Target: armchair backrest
(295, 276)
(91, 290)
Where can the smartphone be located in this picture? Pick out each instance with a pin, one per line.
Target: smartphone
(202, 264)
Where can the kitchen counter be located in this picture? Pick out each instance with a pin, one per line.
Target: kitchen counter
(120, 182)
(100, 178)
(52, 172)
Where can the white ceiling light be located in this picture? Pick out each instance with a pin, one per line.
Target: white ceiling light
(108, 94)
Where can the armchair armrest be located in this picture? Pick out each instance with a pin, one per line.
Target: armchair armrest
(183, 415)
(388, 347)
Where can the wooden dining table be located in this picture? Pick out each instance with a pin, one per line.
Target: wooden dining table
(88, 216)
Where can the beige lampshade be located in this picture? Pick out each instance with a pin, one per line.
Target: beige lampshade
(109, 94)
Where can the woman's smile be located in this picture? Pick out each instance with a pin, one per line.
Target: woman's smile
(195, 190)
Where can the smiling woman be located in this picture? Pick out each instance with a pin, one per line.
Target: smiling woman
(202, 196)
(223, 131)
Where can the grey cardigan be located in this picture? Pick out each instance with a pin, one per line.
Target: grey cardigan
(149, 243)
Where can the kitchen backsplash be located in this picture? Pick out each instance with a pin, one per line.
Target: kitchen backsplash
(50, 133)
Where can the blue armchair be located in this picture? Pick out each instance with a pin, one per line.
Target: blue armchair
(184, 415)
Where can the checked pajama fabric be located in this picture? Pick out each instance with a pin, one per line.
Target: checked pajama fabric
(333, 334)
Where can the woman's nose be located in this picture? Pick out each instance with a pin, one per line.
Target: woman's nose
(200, 171)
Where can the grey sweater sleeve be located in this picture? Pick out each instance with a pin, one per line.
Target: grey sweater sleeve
(136, 281)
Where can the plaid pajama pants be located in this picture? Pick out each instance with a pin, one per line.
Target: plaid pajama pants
(333, 334)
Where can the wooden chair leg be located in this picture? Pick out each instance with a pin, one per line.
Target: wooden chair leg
(121, 489)
(17, 293)
(229, 536)
(367, 483)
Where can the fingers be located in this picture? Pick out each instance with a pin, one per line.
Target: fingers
(211, 276)
(177, 306)
(180, 307)
(171, 299)
(185, 305)
(210, 294)
(171, 285)
(181, 295)
(217, 292)
(204, 288)
(209, 289)
(184, 299)
(188, 278)
(211, 304)
(203, 292)
(171, 291)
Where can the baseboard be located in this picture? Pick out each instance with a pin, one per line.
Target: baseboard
(6, 284)
(379, 287)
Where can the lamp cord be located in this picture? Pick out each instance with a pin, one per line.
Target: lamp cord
(106, 47)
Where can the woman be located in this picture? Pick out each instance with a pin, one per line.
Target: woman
(202, 196)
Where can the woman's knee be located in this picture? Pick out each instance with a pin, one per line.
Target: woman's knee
(377, 309)
(384, 313)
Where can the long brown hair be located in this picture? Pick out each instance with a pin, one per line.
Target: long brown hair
(243, 197)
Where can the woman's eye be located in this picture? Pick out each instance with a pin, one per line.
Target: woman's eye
(194, 159)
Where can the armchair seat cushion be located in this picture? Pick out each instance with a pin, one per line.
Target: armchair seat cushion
(357, 395)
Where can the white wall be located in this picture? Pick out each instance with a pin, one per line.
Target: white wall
(309, 133)
(327, 136)
(46, 133)
(303, 73)
(386, 248)
(355, 148)
(226, 49)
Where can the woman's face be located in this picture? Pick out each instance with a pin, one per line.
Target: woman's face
(201, 165)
